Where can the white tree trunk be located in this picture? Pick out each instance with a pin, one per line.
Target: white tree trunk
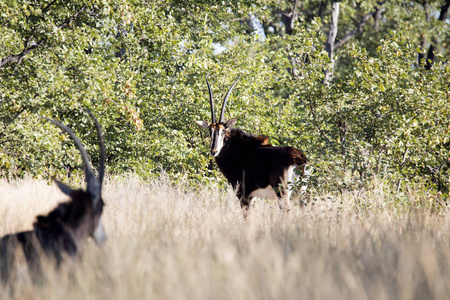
(329, 46)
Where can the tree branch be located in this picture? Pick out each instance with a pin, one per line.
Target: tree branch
(444, 10)
(289, 19)
(27, 48)
(8, 141)
(360, 26)
(431, 51)
(10, 153)
(18, 57)
(376, 18)
(69, 19)
(45, 9)
(294, 16)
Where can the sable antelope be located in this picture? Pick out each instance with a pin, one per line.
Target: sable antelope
(253, 167)
(66, 229)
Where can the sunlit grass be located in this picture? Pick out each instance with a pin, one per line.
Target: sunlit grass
(170, 242)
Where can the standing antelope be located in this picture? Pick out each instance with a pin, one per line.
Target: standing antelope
(65, 230)
(253, 167)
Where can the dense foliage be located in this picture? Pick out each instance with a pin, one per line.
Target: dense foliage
(140, 66)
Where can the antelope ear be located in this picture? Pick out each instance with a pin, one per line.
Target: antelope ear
(64, 188)
(230, 123)
(203, 124)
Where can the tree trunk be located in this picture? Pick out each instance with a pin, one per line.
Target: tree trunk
(329, 46)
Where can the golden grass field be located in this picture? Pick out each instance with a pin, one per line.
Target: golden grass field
(170, 242)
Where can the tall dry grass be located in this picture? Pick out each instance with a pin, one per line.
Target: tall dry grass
(170, 242)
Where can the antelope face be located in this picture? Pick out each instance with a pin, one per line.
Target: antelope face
(218, 133)
(219, 129)
(93, 209)
(83, 214)
(99, 233)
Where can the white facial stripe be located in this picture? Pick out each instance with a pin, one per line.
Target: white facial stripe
(213, 138)
(217, 138)
(99, 233)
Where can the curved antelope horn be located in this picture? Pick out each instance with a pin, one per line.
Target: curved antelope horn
(211, 101)
(101, 143)
(225, 101)
(93, 184)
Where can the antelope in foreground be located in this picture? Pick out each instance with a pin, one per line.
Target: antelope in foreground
(253, 167)
(66, 229)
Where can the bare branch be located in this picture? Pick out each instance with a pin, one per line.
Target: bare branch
(294, 15)
(431, 51)
(376, 18)
(289, 18)
(404, 156)
(70, 19)
(48, 6)
(358, 29)
(10, 153)
(18, 57)
(27, 48)
(444, 11)
(8, 141)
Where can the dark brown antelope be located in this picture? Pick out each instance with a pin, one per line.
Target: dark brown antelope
(253, 167)
(65, 230)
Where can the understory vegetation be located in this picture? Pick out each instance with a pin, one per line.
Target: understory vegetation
(169, 241)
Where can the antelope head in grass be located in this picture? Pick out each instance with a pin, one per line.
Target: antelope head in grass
(65, 230)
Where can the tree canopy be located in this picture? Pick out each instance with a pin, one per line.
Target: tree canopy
(362, 87)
